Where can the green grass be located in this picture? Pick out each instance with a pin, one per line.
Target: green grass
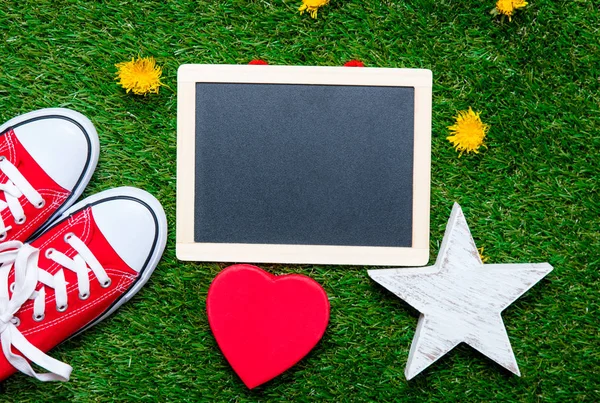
(532, 196)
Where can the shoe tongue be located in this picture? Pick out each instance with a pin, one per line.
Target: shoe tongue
(54, 238)
(51, 268)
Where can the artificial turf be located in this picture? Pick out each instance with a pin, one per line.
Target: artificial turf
(531, 196)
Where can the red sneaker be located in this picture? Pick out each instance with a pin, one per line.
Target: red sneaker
(94, 258)
(47, 158)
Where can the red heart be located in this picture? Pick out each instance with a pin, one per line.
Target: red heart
(265, 324)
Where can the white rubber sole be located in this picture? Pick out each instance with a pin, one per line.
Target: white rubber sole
(157, 253)
(88, 126)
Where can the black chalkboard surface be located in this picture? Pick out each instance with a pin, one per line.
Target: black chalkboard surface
(304, 164)
(300, 172)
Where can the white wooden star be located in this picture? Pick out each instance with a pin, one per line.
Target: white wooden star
(460, 299)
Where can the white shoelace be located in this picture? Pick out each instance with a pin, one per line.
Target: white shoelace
(15, 187)
(27, 276)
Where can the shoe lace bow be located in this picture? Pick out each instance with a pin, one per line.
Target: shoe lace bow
(27, 276)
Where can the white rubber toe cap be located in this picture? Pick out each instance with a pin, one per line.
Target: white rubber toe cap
(61, 144)
(130, 228)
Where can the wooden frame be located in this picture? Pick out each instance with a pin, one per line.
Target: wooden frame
(187, 249)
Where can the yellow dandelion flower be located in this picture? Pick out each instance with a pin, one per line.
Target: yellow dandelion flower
(482, 256)
(507, 7)
(141, 76)
(468, 132)
(311, 6)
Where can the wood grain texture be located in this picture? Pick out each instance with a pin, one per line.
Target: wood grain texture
(460, 299)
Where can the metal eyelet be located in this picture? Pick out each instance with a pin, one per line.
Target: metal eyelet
(11, 287)
(84, 296)
(62, 308)
(39, 318)
(41, 204)
(3, 236)
(49, 252)
(2, 158)
(21, 220)
(15, 321)
(106, 284)
(68, 236)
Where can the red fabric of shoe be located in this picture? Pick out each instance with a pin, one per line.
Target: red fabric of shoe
(47, 157)
(93, 259)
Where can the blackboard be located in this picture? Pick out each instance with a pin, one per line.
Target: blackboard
(300, 165)
(304, 164)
